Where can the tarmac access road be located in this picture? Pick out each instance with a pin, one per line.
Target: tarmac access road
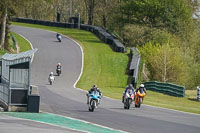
(63, 99)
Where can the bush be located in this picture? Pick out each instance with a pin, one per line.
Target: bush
(165, 63)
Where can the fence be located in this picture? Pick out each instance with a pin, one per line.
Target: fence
(166, 88)
(101, 33)
(134, 65)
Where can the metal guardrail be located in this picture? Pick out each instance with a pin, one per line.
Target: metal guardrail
(134, 65)
(166, 88)
(101, 33)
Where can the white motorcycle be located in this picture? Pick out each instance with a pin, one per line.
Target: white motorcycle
(128, 99)
(51, 79)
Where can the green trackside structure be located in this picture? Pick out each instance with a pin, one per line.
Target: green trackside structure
(166, 88)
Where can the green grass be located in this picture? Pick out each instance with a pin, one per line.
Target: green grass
(107, 69)
(22, 43)
(11, 46)
(2, 52)
(187, 104)
(102, 66)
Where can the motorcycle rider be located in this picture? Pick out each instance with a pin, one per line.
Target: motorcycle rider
(141, 89)
(51, 75)
(59, 66)
(129, 87)
(58, 37)
(94, 88)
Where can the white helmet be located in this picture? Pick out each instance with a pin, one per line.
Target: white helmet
(142, 86)
(51, 73)
(59, 64)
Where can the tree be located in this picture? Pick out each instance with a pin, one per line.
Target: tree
(90, 7)
(175, 15)
(3, 28)
(7, 8)
(165, 63)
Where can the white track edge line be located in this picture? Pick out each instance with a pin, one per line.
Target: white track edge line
(28, 42)
(106, 96)
(47, 123)
(87, 122)
(77, 82)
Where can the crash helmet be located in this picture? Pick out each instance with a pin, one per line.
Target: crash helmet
(59, 64)
(51, 73)
(130, 86)
(95, 86)
(142, 86)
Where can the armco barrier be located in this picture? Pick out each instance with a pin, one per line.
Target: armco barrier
(101, 33)
(134, 65)
(166, 88)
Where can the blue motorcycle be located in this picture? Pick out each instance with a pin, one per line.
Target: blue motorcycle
(58, 37)
(94, 99)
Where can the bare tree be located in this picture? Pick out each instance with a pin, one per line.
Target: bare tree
(90, 5)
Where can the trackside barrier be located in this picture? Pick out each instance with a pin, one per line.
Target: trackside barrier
(101, 33)
(134, 65)
(105, 36)
(166, 88)
(198, 93)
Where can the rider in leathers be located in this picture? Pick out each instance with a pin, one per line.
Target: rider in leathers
(130, 86)
(94, 88)
(141, 89)
(59, 66)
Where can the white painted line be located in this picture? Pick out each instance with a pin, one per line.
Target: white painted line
(106, 96)
(82, 53)
(110, 97)
(82, 61)
(46, 123)
(87, 122)
(81, 89)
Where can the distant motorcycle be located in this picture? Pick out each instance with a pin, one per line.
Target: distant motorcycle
(94, 98)
(128, 99)
(139, 98)
(58, 71)
(59, 37)
(51, 79)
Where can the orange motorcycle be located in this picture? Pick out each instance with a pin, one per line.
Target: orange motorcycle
(139, 98)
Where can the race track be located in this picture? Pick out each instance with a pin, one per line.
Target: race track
(63, 99)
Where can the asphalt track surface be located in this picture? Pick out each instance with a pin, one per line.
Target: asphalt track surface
(15, 125)
(63, 99)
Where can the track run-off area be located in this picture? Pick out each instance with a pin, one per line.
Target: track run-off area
(63, 108)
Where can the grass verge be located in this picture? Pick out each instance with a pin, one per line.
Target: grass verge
(102, 66)
(22, 43)
(107, 69)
